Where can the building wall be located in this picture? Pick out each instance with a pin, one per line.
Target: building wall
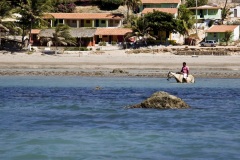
(236, 34)
(71, 23)
(89, 23)
(237, 12)
(109, 38)
(219, 36)
(208, 14)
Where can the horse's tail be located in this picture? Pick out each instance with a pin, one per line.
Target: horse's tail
(193, 80)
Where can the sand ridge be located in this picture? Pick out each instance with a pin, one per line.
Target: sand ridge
(142, 64)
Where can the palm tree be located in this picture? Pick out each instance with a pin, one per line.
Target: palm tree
(32, 12)
(185, 20)
(225, 11)
(140, 26)
(132, 5)
(62, 36)
(5, 9)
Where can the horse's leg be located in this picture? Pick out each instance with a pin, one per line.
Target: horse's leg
(179, 78)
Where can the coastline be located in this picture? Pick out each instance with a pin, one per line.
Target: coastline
(127, 65)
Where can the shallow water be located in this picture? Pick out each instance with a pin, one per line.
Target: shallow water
(66, 118)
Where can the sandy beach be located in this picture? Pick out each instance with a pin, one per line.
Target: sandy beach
(103, 64)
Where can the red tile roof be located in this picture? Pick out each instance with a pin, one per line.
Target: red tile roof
(35, 31)
(161, 1)
(112, 31)
(167, 10)
(206, 7)
(84, 16)
(221, 28)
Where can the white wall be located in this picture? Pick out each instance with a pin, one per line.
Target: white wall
(236, 33)
(232, 10)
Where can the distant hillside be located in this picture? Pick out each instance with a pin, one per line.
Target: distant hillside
(222, 2)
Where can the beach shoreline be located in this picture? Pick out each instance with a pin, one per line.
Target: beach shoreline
(117, 63)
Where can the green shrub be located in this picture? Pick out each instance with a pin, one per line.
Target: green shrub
(65, 7)
(110, 4)
(114, 43)
(102, 43)
(172, 42)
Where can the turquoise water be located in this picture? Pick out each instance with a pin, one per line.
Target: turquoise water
(48, 118)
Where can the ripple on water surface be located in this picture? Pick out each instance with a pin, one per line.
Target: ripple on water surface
(66, 118)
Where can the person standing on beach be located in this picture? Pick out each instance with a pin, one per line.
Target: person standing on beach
(185, 71)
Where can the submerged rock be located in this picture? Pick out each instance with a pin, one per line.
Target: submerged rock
(162, 100)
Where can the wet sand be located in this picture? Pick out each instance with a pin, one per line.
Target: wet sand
(141, 65)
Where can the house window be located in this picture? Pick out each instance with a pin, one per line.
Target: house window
(235, 12)
(103, 21)
(88, 21)
(171, 5)
(82, 23)
(214, 35)
(74, 21)
(60, 20)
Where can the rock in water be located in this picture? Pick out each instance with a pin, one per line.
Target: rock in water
(162, 100)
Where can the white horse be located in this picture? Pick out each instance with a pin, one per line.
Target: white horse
(179, 77)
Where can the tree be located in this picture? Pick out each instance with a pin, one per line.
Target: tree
(110, 4)
(5, 8)
(31, 12)
(192, 3)
(225, 11)
(161, 21)
(61, 36)
(228, 37)
(132, 5)
(185, 20)
(65, 6)
(140, 26)
(155, 21)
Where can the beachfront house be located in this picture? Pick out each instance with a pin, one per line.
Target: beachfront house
(159, 4)
(212, 12)
(77, 20)
(84, 36)
(172, 11)
(89, 28)
(92, 36)
(167, 6)
(111, 35)
(218, 32)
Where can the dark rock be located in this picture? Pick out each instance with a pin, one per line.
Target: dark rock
(162, 100)
(118, 70)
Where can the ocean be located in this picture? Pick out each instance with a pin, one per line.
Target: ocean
(67, 118)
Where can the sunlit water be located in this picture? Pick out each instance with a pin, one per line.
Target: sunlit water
(67, 118)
